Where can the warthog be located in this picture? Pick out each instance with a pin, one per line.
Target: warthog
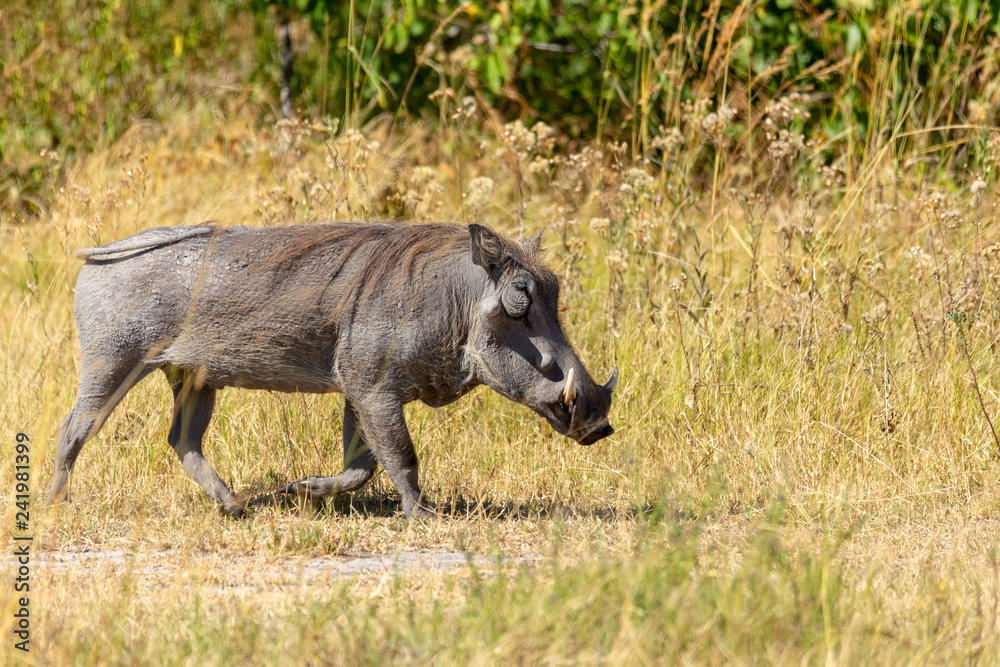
(383, 313)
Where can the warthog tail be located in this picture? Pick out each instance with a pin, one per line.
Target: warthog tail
(150, 238)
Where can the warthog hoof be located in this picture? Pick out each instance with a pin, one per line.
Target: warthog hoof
(312, 487)
(233, 511)
(423, 513)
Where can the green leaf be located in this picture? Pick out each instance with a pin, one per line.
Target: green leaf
(401, 37)
(493, 78)
(853, 40)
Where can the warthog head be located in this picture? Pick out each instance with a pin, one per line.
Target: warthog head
(519, 346)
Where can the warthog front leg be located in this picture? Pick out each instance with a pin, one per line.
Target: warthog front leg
(383, 429)
(193, 408)
(359, 464)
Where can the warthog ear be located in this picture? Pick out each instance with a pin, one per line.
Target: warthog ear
(487, 248)
(534, 244)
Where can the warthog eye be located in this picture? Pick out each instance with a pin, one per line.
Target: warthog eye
(516, 300)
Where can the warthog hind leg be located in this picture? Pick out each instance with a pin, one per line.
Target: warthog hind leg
(193, 407)
(102, 385)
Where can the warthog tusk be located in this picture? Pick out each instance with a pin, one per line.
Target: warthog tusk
(569, 391)
(613, 382)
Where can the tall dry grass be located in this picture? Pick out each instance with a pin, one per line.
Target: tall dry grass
(804, 466)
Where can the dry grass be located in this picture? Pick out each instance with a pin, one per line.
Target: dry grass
(802, 471)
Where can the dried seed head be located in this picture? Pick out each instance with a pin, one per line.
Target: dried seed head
(617, 261)
(599, 224)
(480, 191)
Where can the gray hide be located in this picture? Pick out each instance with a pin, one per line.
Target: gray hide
(383, 313)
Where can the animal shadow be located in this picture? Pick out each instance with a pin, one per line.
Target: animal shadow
(378, 502)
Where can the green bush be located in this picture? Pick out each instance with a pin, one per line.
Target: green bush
(80, 73)
(924, 77)
(616, 63)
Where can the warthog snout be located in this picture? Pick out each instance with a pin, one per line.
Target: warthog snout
(581, 411)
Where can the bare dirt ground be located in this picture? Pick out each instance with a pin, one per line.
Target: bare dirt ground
(934, 547)
(239, 573)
